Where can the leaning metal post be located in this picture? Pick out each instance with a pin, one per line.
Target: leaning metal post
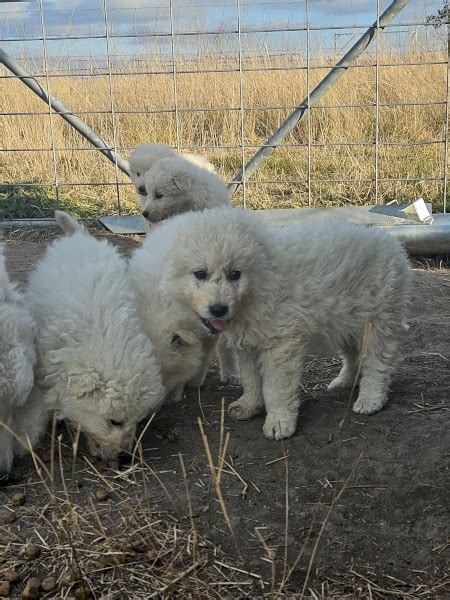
(356, 50)
(62, 110)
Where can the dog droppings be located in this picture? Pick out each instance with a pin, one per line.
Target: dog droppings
(7, 517)
(11, 576)
(102, 495)
(32, 589)
(32, 551)
(18, 499)
(48, 584)
(5, 589)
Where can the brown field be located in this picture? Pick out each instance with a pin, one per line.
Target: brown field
(342, 138)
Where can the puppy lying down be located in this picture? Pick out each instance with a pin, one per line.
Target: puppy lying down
(281, 293)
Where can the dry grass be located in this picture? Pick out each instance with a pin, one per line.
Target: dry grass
(218, 125)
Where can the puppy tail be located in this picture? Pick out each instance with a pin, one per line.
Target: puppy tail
(67, 223)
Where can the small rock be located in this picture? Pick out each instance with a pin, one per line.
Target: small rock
(19, 499)
(32, 589)
(11, 576)
(32, 551)
(48, 584)
(5, 589)
(7, 517)
(102, 494)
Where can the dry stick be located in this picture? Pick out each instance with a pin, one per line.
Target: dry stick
(286, 523)
(271, 556)
(75, 444)
(325, 521)
(191, 514)
(64, 525)
(199, 563)
(216, 479)
(380, 589)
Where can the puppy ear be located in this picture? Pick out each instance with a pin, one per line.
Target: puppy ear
(183, 338)
(85, 384)
(182, 181)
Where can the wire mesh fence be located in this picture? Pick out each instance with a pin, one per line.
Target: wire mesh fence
(218, 79)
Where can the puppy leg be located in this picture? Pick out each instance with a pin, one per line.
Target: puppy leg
(349, 371)
(6, 448)
(228, 364)
(281, 369)
(176, 395)
(377, 364)
(30, 421)
(251, 402)
(209, 346)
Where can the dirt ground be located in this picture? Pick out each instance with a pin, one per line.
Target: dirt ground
(365, 498)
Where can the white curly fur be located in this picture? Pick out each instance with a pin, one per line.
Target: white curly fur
(98, 369)
(323, 284)
(143, 158)
(17, 360)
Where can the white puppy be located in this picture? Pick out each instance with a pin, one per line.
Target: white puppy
(98, 369)
(179, 339)
(282, 293)
(144, 157)
(17, 360)
(176, 185)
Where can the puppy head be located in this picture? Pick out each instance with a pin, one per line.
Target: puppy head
(107, 408)
(216, 265)
(173, 186)
(141, 160)
(177, 340)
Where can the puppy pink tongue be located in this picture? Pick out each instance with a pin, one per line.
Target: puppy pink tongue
(218, 324)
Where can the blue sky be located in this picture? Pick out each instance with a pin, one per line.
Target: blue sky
(85, 18)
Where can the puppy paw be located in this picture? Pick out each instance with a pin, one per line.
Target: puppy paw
(369, 405)
(175, 395)
(230, 378)
(279, 427)
(244, 408)
(339, 382)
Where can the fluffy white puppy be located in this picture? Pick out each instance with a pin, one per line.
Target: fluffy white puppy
(175, 185)
(98, 369)
(283, 293)
(17, 360)
(144, 157)
(183, 345)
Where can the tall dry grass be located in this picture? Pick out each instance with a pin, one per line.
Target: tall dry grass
(342, 138)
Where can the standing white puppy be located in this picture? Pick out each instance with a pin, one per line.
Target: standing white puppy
(98, 369)
(283, 293)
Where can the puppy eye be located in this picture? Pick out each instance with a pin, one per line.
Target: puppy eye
(158, 196)
(116, 423)
(201, 274)
(178, 340)
(138, 174)
(234, 275)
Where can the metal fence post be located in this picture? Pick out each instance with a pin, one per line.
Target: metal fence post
(313, 98)
(62, 110)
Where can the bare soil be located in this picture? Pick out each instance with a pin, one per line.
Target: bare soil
(365, 497)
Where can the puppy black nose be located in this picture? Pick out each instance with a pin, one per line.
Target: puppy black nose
(145, 214)
(218, 310)
(142, 190)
